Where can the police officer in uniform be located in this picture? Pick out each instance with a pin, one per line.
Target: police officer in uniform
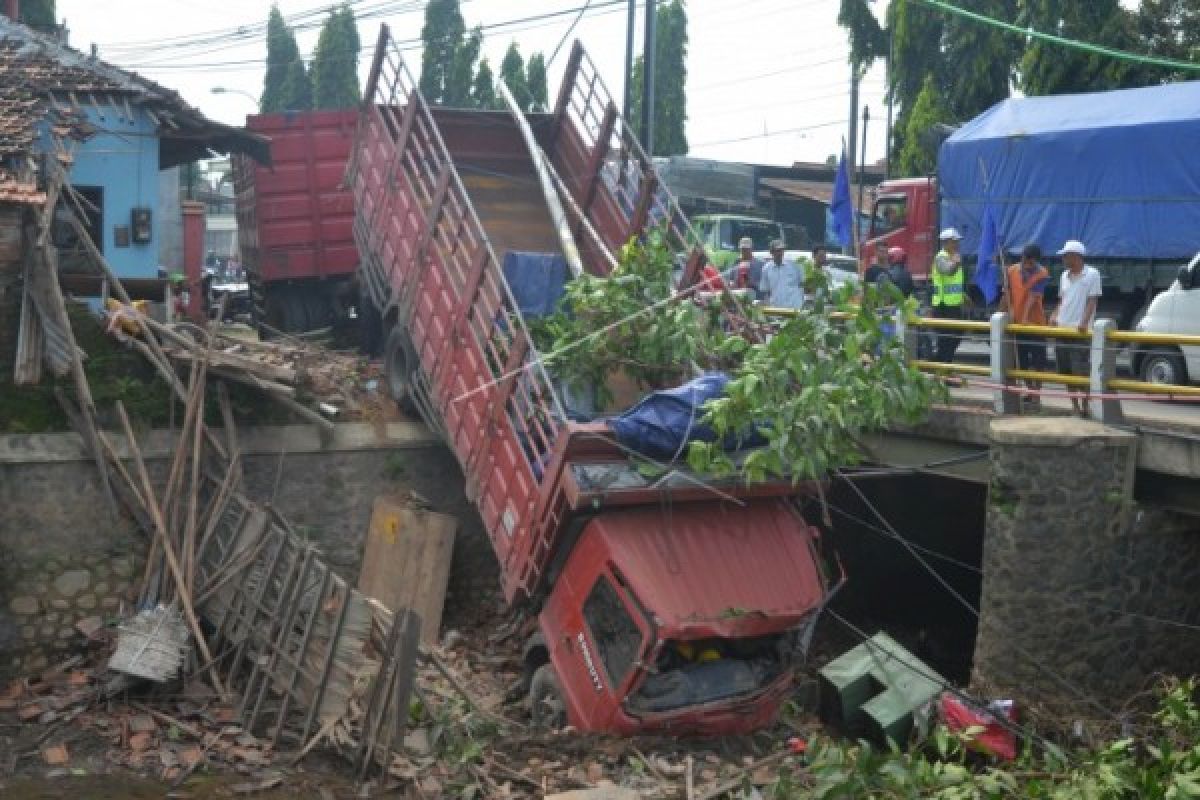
(949, 282)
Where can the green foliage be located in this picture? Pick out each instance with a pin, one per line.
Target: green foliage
(335, 63)
(483, 93)
(512, 73)
(1047, 68)
(441, 38)
(670, 79)
(1170, 29)
(868, 40)
(287, 85)
(1162, 764)
(655, 349)
(459, 83)
(39, 14)
(918, 153)
(828, 375)
(535, 80)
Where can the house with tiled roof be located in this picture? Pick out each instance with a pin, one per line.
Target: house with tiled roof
(110, 133)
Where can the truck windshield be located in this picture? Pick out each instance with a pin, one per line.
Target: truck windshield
(616, 635)
(890, 213)
(690, 673)
(761, 232)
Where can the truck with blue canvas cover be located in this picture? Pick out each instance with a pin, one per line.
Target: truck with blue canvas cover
(1117, 170)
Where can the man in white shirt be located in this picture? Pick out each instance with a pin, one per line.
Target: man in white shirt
(1080, 287)
(782, 283)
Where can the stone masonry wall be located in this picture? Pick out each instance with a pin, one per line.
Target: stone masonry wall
(1077, 580)
(62, 560)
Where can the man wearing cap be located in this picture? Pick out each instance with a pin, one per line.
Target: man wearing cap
(782, 284)
(1024, 292)
(747, 272)
(949, 291)
(1079, 290)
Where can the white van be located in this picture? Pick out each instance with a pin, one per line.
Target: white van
(1175, 311)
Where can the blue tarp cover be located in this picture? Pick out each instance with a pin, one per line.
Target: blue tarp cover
(663, 422)
(1117, 170)
(536, 280)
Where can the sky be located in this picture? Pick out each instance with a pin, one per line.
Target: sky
(767, 80)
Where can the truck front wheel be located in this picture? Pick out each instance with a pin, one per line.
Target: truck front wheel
(546, 707)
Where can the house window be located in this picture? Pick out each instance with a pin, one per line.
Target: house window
(613, 630)
(72, 255)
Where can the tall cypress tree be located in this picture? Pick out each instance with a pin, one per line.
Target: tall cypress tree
(535, 79)
(441, 37)
(512, 73)
(483, 93)
(458, 80)
(670, 76)
(287, 85)
(335, 64)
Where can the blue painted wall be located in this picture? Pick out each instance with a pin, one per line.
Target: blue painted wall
(122, 159)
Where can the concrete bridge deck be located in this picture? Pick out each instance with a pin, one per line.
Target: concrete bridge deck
(1168, 450)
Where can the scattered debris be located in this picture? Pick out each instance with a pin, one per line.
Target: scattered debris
(152, 645)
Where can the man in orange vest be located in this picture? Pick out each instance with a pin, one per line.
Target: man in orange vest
(1024, 293)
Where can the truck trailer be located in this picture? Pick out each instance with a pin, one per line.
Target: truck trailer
(1117, 170)
(664, 603)
(295, 220)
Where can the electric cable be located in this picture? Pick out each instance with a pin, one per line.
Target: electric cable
(1076, 44)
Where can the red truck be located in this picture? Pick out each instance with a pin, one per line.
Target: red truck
(905, 215)
(295, 220)
(664, 604)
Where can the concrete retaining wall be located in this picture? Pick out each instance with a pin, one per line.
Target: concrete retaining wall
(62, 559)
(1080, 586)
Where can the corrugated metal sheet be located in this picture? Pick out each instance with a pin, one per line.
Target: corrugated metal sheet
(717, 563)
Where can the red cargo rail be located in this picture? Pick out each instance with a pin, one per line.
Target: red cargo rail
(296, 217)
(428, 261)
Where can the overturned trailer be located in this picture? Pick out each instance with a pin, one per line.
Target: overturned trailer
(664, 603)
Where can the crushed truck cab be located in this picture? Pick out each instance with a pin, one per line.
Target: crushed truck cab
(666, 620)
(665, 603)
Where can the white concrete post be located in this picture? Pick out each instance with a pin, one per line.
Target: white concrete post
(1000, 356)
(1103, 368)
(906, 335)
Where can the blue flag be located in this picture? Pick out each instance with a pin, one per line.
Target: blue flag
(840, 205)
(987, 272)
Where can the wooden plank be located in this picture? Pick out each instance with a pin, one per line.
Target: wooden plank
(406, 562)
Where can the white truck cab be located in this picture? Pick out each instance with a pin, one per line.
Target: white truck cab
(1175, 311)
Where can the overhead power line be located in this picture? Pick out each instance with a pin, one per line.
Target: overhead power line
(1089, 47)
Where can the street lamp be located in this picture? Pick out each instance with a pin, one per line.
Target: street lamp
(224, 90)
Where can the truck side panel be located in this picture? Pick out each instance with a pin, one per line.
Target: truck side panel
(606, 169)
(434, 273)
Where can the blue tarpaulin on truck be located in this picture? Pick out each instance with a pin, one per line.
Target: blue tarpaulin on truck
(537, 281)
(1117, 170)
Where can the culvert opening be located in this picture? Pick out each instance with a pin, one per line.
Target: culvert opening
(888, 588)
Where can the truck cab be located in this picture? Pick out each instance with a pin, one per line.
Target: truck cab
(665, 621)
(1175, 311)
(719, 234)
(904, 215)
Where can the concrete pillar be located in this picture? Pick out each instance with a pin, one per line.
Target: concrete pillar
(1056, 554)
(193, 256)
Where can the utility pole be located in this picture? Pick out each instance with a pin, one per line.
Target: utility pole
(887, 151)
(852, 139)
(862, 156)
(648, 81)
(630, 25)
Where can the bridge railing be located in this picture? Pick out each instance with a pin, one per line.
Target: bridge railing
(1002, 374)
